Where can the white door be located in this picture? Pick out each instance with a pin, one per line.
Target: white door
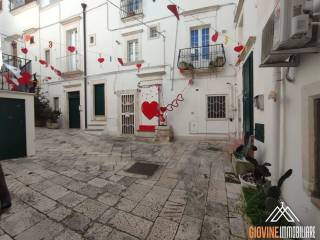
(127, 114)
(199, 41)
(72, 57)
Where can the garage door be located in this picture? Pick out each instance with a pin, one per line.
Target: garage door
(12, 128)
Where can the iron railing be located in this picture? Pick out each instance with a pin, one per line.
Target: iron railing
(129, 8)
(14, 4)
(23, 64)
(205, 57)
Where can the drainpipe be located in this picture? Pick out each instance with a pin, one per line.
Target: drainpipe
(273, 129)
(84, 6)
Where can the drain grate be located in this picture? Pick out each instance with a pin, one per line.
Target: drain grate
(143, 168)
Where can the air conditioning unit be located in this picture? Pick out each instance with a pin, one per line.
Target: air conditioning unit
(288, 33)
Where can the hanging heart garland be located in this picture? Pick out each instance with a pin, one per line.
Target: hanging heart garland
(100, 59)
(120, 61)
(24, 50)
(49, 78)
(215, 37)
(138, 65)
(238, 48)
(175, 103)
(52, 68)
(71, 49)
(173, 8)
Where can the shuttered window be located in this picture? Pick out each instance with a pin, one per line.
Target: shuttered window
(99, 100)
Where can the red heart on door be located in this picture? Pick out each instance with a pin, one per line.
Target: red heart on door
(150, 110)
(24, 50)
(101, 60)
(71, 49)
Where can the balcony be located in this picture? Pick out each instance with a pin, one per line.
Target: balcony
(14, 4)
(71, 65)
(24, 65)
(130, 8)
(209, 57)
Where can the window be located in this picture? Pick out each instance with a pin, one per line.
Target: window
(92, 39)
(133, 50)
(47, 56)
(200, 40)
(56, 104)
(99, 100)
(130, 8)
(216, 105)
(153, 32)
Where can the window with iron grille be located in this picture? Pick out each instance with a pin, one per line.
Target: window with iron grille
(129, 8)
(153, 32)
(216, 107)
(133, 50)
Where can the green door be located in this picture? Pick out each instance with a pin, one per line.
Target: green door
(12, 128)
(248, 95)
(74, 111)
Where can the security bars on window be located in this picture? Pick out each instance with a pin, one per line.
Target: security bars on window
(216, 107)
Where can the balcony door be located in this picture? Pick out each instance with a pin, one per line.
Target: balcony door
(199, 39)
(72, 37)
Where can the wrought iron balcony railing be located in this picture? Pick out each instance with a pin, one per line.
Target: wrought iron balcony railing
(7, 79)
(129, 8)
(206, 57)
(14, 4)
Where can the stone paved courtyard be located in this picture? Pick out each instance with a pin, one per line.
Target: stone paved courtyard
(76, 187)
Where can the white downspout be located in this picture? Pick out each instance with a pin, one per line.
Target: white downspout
(282, 102)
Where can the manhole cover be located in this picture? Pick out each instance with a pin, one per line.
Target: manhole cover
(143, 168)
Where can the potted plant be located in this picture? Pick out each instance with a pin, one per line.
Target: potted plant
(52, 122)
(183, 66)
(41, 108)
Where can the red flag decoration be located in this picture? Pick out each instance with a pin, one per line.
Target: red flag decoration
(71, 49)
(239, 48)
(59, 74)
(120, 61)
(100, 59)
(173, 8)
(43, 62)
(215, 37)
(25, 78)
(24, 50)
(138, 65)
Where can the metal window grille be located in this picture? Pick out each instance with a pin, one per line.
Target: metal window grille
(129, 8)
(153, 32)
(127, 114)
(216, 107)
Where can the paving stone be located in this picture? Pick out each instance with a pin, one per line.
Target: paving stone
(98, 232)
(75, 185)
(84, 177)
(131, 224)
(172, 211)
(42, 185)
(215, 229)
(20, 221)
(61, 180)
(91, 208)
(68, 235)
(116, 235)
(115, 178)
(136, 192)
(215, 209)
(90, 191)
(109, 214)
(60, 213)
(43, 230)
(109, 199)
(72, 199)
(70, 172)
(237, 226)
(178, 196)
(126, 204)
(189, 229)
(55, 192)
(77, 222)
(163, 229)
(147, 210)
(30, 179)
(98, 182)
(127, 181)
(167, 182)
(149, 183)
(158, 195)
(5, 237)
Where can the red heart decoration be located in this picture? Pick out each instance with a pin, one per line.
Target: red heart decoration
(239, 48)
(173, 8)
(101, 60)
(215, 36)
(24, 50)
(49, 78)
(163, 109)
(120, 61)
(58, 72)
(71, 49)
(180, 97)
(150, 110)
(52, 68)
(25, 78)
(139, 65)
(42, 62)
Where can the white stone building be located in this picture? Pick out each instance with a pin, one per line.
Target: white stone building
(289, 115)
(145, 33)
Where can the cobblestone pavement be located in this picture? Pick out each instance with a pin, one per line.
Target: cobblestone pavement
(76, 187)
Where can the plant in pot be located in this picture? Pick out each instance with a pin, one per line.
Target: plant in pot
(41, 108)
(257, 176)
(183, 66)
(52, 122)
